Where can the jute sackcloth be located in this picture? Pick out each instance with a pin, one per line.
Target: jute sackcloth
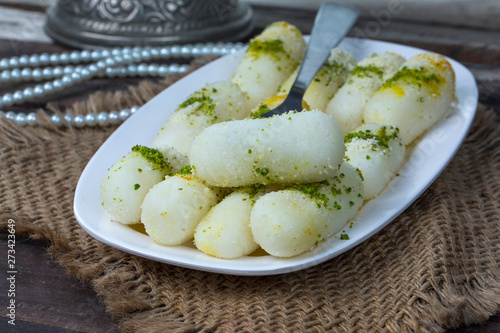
(436, 266)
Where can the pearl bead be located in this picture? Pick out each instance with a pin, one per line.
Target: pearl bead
(11, 115)
(134, 109)
(85, 73)
(37, 74)
(113, 117)
(85, 55)
(15, 74)
(105, 54)
(14, 62)
(93, 69)
(7, 99)
(66, 81)
(165, 52)
(48, 87)
(110, 72)
(175, 50)
(132, 70)
(95, 55)
(26, 73)
(68, 70)
(44, 59)
(5, 76)
(69, 118)
(174, 68)
(27, 93)
(47, 73)
(34, 60)
(56, 120)
(64, 58)
(142, 69)
(24, 60)
(124, 114)
(57, 85)
(4, 64)
(79, 121)
(75, 77)
(20, 119)
(38, 90)
(54, 58)
(17, 96)
(102, 118)
(186, 51)
(31, 119)
(74, 57)
(91, 119)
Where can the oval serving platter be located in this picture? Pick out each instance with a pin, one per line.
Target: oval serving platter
(425, 160)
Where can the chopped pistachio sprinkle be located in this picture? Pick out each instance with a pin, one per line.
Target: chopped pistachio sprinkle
(185, 170)
(261, 109)
(417, 76)
(205, 104)
(381, 137)
(275, 47)
(154, 157)
(367, 71)
(137, 186)
(313, 192)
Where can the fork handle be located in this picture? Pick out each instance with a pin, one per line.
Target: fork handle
(331, 25)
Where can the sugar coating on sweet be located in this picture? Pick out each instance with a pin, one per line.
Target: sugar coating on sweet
(415, 98)
(298, 147)
(378, 152)
(172, 209)
(225, 231)
(270, 58)
(125, 185)
(293, 221)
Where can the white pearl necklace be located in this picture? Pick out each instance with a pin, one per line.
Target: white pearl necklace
(61, 70)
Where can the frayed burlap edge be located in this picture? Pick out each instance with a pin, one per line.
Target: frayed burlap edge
(432, 293)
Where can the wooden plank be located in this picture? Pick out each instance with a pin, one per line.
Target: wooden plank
(460, 43)
(46, 298)
(465, 13)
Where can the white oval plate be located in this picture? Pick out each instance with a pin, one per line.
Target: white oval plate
(425, 160)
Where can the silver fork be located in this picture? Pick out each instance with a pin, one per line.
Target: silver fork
(331, 24)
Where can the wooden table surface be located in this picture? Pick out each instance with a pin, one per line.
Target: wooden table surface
(48, 300)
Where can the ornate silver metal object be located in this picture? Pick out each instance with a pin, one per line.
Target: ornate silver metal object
(108, 23)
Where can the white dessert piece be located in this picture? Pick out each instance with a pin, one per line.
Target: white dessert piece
(415, 98)
(173, 208)
(270, 59)
(292, 221)
(301, 147)
(378, 152)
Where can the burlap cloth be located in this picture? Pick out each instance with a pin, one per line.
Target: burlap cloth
(436, 266)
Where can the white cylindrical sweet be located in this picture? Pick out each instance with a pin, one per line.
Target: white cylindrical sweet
(378, 152)
(331, 76)
(270, 58)
(173, 208)
(127, 182)
(292, 148)
(225, 231)
(415, 98)
(289, 222)
(216, 102)
(348, 104)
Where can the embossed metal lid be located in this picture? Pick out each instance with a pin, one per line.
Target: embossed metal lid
(108, 23)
